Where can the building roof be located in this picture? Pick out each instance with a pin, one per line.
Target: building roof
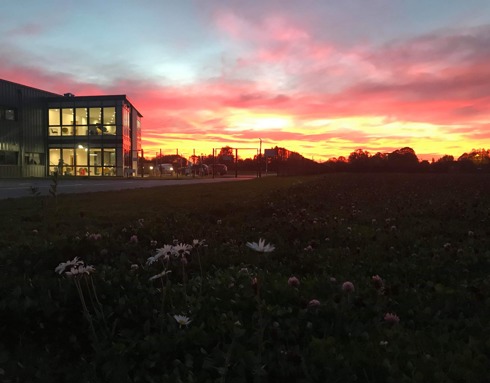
(71, 96)
(27, 86)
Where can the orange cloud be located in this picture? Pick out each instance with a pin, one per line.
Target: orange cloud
(289, 86)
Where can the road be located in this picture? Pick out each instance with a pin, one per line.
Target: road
(18, 188)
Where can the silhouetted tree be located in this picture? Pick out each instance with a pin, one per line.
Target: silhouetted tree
(359, 160)
(443, 164)
(226, 155)
(479, 157)
(403, 159)
(337, 164)
(379, 161)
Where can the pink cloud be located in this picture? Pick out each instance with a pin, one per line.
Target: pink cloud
(281, 67)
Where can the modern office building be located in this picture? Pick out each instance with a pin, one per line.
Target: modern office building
(43, 132)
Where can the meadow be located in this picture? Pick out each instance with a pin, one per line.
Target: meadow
(338, 278)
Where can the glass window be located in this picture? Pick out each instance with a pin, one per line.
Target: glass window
(109, 156)
(127, 157)
(11, 114)
(68, 162)
(81, 130)
(81, 116)
(110, 116)
(54, 117)
(54, 122)
(8, 157)
(33, 159)
(55, 130)
(109, 162)
(67, 116)
(81, 120)
(95, 116)
(95, 161)
(110, 129)
(81, 156)
(81, 153)
(54, 160)
(67, 130)
(67, 120)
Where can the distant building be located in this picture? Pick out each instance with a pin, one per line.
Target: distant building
(43, 132)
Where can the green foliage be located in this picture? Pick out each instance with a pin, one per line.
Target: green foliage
(425, 236)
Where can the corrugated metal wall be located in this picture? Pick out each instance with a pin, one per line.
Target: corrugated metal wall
(27, 134)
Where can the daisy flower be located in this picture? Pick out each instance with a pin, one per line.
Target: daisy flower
(182, 320)
(261, 247)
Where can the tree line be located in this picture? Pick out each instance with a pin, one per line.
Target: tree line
(286, 162)
(405, 160)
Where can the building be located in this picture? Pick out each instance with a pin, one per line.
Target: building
(42, 133)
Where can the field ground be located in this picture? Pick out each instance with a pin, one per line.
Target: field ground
(374, 278)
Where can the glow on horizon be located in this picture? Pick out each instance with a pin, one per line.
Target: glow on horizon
(401, 134)
(322, 80)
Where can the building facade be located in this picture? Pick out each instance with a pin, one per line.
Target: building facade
(90, 136)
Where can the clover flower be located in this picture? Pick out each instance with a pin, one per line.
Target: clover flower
(182, 320)
(255, 285)
(314, 303)
(378, 282)
(133, 239)
(261, 247)
(94, 236)
(243, 271)
(348, 287)
(293, 281)
(391, 318)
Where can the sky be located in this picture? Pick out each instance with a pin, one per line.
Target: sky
(318, 77)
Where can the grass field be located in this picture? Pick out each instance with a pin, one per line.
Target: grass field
(372, 278)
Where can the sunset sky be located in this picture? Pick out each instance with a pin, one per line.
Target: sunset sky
(320, 77)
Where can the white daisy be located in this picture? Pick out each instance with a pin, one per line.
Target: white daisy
(182, 320)
(75, 262)
(261, 247)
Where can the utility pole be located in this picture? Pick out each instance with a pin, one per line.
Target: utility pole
(260, 158)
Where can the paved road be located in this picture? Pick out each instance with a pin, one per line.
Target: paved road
(17, 188)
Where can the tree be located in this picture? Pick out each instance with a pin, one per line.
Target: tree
(479, 157)
(403, 159)
(379, 161)
(359, 160)
(226, 155)
(443, 164)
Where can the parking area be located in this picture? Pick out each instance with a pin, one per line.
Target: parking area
(18, 188)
